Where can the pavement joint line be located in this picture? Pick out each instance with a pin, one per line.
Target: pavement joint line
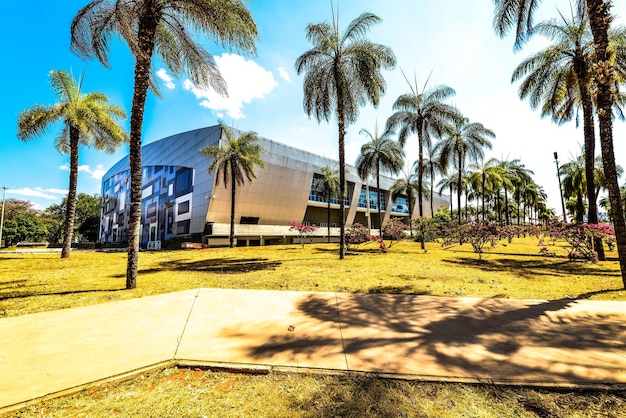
(343, 344)
(182, 334)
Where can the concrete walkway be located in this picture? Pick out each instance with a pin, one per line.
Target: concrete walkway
(526, 342)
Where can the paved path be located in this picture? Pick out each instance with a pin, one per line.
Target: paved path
(555, 343)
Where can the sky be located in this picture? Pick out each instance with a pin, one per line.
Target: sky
(449, 42)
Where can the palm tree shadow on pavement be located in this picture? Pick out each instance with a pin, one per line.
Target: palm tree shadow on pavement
(505, 340)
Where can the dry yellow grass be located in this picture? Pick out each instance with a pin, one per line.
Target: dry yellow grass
(40, 282)
(196, 393)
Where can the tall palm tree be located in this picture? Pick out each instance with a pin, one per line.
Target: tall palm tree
(519, 14)
(520, 177)
(509, 176)
(488, 174)
(328, 184)
(89, 120)
(162, 28)
(575, 185)
(560, 78)
(432, 166)
(448, 181)
(342, 73)
(380, 153)
(423, 113)
(461, 141)
(406, 185)
(234, 160)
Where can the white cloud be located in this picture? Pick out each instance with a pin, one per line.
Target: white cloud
(42, 193)
(96, 173)
(246, 81)
(284, 74)
(167, 79)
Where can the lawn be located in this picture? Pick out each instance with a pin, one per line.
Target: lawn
(40, 282)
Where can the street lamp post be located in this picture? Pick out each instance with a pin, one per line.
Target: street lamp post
(4, 190)
(558, 175)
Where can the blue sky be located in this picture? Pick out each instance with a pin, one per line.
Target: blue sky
(452, 41)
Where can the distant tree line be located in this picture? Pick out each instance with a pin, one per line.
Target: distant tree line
(22, 223)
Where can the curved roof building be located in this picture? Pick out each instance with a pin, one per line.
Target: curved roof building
(181, 200)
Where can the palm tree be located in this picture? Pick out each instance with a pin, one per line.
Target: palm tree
(380, 153)
(407, 186)
(462, 141)
(432, 166)
(160, 28)
(600, 176)
(328, 184)
(509, 175)
(519, 13)
(448, 180)
(90, 119)
(520, 176)
(487, 174)
(560, 77)
(574, 184)
(342, 73)
(424, 114)
(234, 160)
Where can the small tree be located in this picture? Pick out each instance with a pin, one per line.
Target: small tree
(393, 230)
(581, 239)
(477, 233)
(304, 230)
(355, 235)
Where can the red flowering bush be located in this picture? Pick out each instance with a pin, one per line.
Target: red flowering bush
(355, 235)
(393, 230)
(477, 233)
(581, 238)
(304, 230)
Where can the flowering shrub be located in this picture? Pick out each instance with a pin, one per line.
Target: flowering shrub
(393, 230)
(304, 230)
(581, 238)
(477, 233)
(355, 235)
(509, 232)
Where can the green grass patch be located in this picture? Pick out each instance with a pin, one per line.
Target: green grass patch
(31, 282)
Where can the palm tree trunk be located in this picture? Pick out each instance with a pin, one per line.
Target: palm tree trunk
(147, 31)
(432, 193)
(582, 73)
(420, 172)
(483, 193)
(459, 188)
(328, 215)
(410, 204)
(70, 209)
(342, 173)
(599, 21)
(580, 208)
(380, 220)
(506, 208)
(233, 192)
